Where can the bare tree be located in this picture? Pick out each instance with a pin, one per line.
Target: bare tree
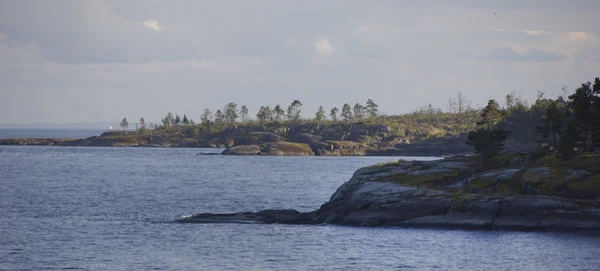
(461, 103)
(565, 92)
(451, 105)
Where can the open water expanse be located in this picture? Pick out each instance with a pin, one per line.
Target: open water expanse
(111, 208)
(49, 133)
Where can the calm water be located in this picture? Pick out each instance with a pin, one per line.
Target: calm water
(109, 208)
(48, 133)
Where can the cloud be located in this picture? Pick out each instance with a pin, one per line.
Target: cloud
(533, 55)
(324, 47)
(578, 36)
(537, 32)
(153, 25)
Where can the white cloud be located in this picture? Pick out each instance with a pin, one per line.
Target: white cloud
(578, 36)
(537, 32)
(153, 25)
(324, 47)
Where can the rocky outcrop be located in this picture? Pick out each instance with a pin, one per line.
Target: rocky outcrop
(432, 194)
(262, 217)
(273, 149)
(34, 141)
(243, 150)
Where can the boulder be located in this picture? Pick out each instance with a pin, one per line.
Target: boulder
(243, 150)
(273, 149)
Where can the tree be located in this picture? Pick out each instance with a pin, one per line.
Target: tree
(487, 142)
(143, 123)
(451, 105)
(293, 112)
(596, 125)
(581, 104)
(320, 115)
(346, 112)
(264, 115)
(461, 103)
(231, 112)
(219, 118)
(488, 139)
(359, 111)
(278, 113)
(168, 120)
(124, 124)
(185, 120)
(566, 149)
(510, 101)
(244, 113)
(565, 92)
(491, 115)
(177, 120)
(372, 109)
(552, 123)
(206, 117)
(142, 128)
(333, 114)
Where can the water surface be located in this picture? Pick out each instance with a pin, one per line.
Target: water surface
(110, 208)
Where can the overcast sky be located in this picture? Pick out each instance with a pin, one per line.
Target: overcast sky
(96, 61)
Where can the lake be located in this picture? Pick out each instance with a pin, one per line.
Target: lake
(105, 208)
(49, 133)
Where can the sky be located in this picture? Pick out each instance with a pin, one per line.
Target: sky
(99, 61)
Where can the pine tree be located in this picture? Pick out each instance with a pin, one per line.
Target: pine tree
(581, 104)
(244, 113)
(320, 115)
(206, 117)
(185, 120)
(293, 112)
(346, 112)
(552, 123)
(264, 115)
(333, 114)
(487, 143)
(278, 113)
(219, 118)
(488, 140)
(491, 115)
(143, 123)
(358, 111)
(177, 120)
(231, 112)
(168, 120)
(124, 124)
(372, 109)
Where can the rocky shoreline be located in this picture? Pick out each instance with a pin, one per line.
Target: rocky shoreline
(259, 144)
(380, 196)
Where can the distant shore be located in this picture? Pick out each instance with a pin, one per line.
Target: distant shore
(257, 143)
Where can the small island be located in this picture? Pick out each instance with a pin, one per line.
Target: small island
(555, 187)
(359, 130)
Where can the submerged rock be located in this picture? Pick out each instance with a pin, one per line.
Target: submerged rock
(262, 217)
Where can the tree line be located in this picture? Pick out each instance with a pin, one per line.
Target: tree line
(565, 125)
(230, 115)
